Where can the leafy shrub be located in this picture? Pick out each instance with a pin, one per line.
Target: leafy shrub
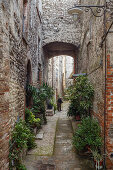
(39, 96)
(21, 138)
(81, 97)
(31, 120)
(88, 133)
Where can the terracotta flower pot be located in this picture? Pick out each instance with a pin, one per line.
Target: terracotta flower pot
(77, 118)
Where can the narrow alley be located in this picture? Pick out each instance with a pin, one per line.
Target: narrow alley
(55, 151)
(53, 53)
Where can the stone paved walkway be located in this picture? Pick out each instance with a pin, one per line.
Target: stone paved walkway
(55, 152)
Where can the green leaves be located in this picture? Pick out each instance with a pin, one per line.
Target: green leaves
(22, 138)
(39, 96)
(31, 120)
(81, 97)
(88, 133)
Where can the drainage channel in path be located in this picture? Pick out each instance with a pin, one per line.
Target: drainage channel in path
(65, 156)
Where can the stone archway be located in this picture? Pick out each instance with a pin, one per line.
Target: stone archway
(52, 50)
(59, 48)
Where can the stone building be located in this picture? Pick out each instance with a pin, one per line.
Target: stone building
(69, 70)
(61, 36)
(55, 75)
(20, 62)
(91, 60)
(60, 69)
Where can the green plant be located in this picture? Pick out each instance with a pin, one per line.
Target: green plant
(88, 133)
(21, 138)
(39, 96)
(81, 97)
(21, 167)
(31, 120)
(54, 104)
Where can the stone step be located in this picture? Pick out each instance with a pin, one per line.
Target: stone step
(40, 136)
(49, 112)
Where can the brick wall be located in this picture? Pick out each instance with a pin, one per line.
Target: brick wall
(14, 55)
(91, 60)
(109, 113)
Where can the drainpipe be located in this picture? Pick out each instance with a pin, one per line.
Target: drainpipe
(105, 51)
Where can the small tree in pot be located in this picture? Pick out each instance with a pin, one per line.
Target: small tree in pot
(88, 133)
(81, 97)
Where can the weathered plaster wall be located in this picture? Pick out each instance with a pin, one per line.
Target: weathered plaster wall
(69, 70)
(92, 61)
(57, 24)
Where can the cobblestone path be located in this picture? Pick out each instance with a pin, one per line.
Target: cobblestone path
(63, 156)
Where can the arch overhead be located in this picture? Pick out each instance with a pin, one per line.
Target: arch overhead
(60, 48)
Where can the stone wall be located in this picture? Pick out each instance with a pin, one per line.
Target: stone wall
(18, 56)
(91, 60)
(4, 84)
(20, 44)
(57, 24)
(13, 54)
(35, 40)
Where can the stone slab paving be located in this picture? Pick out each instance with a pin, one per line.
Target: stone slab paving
(55, 150)
(45, 147)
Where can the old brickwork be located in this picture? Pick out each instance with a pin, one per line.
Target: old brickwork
(92, 61)
(13, 55)
(20, 44)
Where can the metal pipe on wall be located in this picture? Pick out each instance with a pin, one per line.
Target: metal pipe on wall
(105, 53)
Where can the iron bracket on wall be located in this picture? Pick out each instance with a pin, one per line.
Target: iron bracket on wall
(105, 35)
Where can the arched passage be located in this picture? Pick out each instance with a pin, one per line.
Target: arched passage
(60, 48)
(54, 50)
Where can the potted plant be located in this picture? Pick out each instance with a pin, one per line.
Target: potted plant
(88, 134)
(98, 160)
(81, 98)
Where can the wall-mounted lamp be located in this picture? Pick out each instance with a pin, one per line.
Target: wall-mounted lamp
(75, 12)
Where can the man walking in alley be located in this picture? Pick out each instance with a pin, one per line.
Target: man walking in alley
(59, 102)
